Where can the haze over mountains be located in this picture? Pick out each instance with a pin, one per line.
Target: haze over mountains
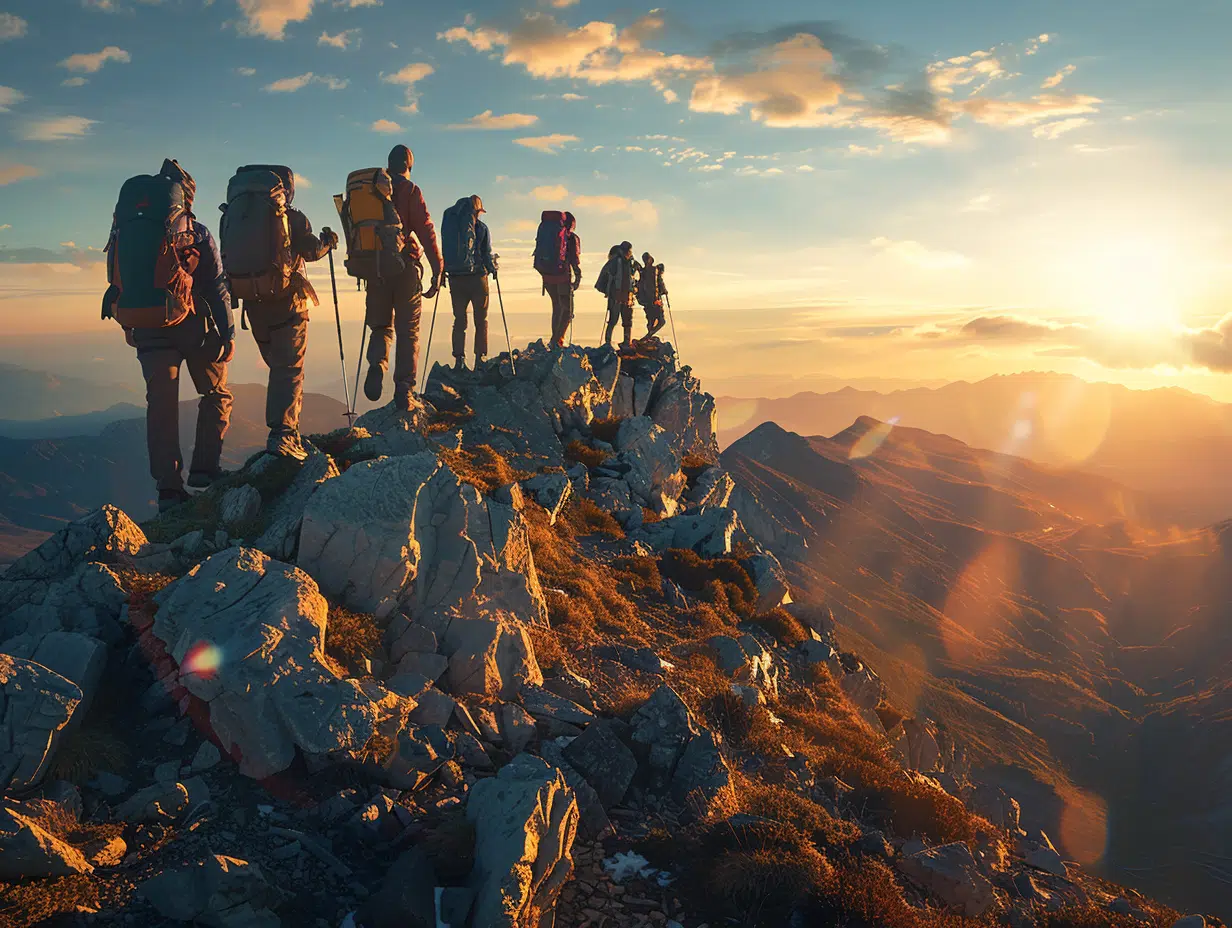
(1083, 659)
(1170, 444)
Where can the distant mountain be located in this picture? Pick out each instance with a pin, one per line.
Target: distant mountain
(46, 482)
(1170, 443)
(29, 395)
(90, 423)
(1084, 659)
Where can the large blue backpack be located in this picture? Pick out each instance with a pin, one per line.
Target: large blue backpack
(459, 238)
(150, 253)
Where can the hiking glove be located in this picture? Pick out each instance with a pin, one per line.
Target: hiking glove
(329, 238)
(431, 291)
(227, 352)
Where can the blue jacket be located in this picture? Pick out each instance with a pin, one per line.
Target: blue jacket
(210, 283)
(483, 248)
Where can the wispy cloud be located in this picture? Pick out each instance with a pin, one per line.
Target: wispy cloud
(292, 84)
(550, 144)
(92, 62)
(12, 27)
(642, 212)
(74, 82)
(917, 255)
(1006, 113)
(57, 128)
(1056, 79)
(342, 40)
(387, 126)
(8, 97)
(550, 193)
(1054, 130)
(245, 72)
(12, 173)
(270, 18)
(486, 120)
(408, 77)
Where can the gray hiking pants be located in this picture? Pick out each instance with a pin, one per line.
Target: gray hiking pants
(394, 307)
(162, 353)
(280, 330)
(562, 309)
(466, 291)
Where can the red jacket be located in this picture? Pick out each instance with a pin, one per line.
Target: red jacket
(413, 211)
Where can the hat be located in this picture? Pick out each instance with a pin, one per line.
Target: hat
(400, 155)
(626, 246)
(477, 204)
(647, 258)
(171, 169)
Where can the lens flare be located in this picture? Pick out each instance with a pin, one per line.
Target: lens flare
(204, 659)
(868, 443)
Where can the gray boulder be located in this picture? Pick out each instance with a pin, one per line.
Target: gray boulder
(547, 706)
(602, 758)
(88, 600)
(994, 804)
(663, 727)
(217, 892)
(29, 848)
(951, 876)
(770, 579)
(239, 505)
(749, 663)
(687, 414)
(525, 822)
(247, 636)
(286, 515)
(653, 461)
(713, 488)
(551, 491)
(489, 655)
(78, 658)
(703, 781)
(36, 705)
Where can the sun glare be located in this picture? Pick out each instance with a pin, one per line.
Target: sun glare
(1132, 284)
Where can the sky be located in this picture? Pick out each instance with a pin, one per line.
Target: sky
(869, 192)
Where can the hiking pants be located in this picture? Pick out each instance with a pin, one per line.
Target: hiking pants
(562, 310)
(620, 306)
(393, 306)
(654, 318)
(466, 290)
(280, 329)
(162, 353)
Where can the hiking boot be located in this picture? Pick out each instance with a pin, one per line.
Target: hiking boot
(407, 401)
(374, 382)
(286, 445)
(203, 480)
(480, 361)
(170, 499)
(459, 363)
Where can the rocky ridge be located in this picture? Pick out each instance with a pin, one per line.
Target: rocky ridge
(529, 643)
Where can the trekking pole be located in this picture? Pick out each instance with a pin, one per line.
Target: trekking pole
(513, 365)
(346, 389)
(359, 367)
(667, 299)
(432, 328)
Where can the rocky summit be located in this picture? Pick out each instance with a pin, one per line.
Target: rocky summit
(524, 656)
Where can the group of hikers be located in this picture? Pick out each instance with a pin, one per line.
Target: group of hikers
(172, 287)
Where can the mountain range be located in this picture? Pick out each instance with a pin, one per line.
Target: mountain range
(1082, 658)
(1169, 444)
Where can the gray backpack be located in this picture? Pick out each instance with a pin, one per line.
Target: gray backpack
(255, 234)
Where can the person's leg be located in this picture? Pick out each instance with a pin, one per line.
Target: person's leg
(379, 317)
(284, 353)
(209, 376)
(161, 370)
(408, 301)
(613, 313)
(626, 321)
(479, 300)
(557, 313)
(459, 298)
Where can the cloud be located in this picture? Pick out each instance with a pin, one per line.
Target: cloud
(864, 151)
(302, 183)
(299, 82)
(561, 4)
(805, 169)
(550, 193)
(408, 77)
(549, 144)
(1004, 113)
(93, 62)
(1054, 130)
(1034, 44)
(913, 253)
(9, 97)
(642, 212)
(1055, 80)
(12, 27)
(74, 82)
(342, 40)
(270, 18)
(12, 173)
(386, 125)
(245, 72)
(979, 204)
(486, 120)
(5, 227)
(1211, 348)
(597, 52)
(572, 97)
(980, 68)
(1015, 328)
(57, 128)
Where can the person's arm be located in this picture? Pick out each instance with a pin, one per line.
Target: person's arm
(210, 283)
(662, 284)
(425, 231)
(303, 243)
(574, 253)
(483, 241)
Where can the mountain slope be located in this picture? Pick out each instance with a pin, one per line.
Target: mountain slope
(30, 395)
(1008, 597)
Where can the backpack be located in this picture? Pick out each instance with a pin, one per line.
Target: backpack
(372, 227)
(552, 243)
(150, 256)
(255, 234)
(648, 285)
(459, 238)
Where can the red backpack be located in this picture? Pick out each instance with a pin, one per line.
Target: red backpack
(552, 241)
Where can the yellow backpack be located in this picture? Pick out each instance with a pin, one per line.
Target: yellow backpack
(372, 227)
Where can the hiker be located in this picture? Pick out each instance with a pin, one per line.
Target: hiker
(265, 244)
(167, 290)
(616, 281)
(558, 259)
(650, 293)
(466, 244)
(394, 303)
